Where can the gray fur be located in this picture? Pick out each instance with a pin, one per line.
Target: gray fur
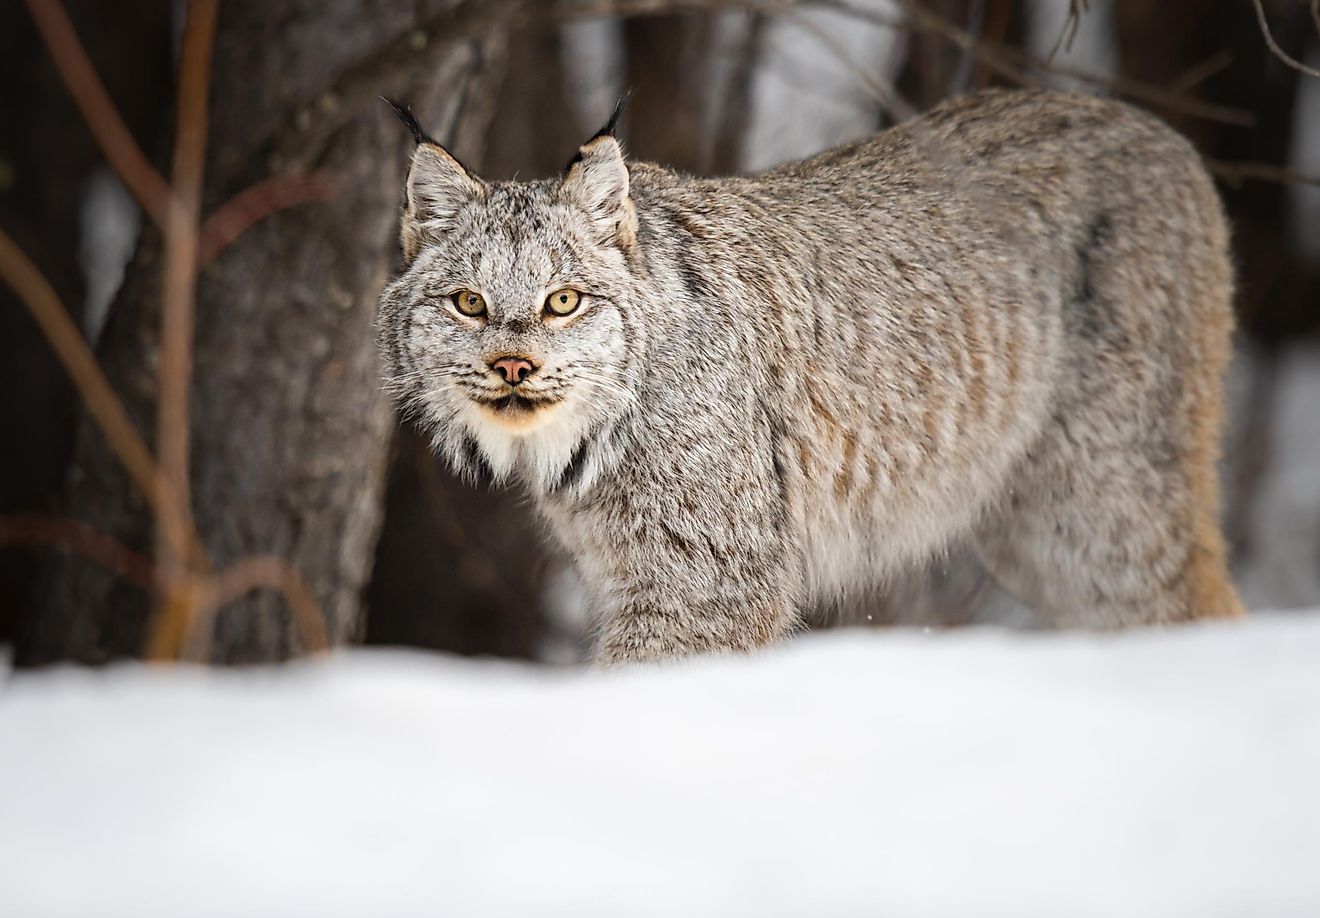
(1007, 320)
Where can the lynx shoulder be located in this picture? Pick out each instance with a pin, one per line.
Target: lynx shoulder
(1005, 321)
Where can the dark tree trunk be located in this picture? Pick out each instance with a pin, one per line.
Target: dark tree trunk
(731, 134)
(668, 70)
(931, 73)
(538, 128)
(1165, 41)
(290, 430)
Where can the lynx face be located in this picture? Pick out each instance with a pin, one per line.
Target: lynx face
(508, 333)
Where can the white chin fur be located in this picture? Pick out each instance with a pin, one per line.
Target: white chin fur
(538, 447)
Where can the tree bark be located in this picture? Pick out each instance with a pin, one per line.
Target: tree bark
(290, 431)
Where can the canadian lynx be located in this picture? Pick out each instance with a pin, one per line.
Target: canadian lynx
(1006, 320)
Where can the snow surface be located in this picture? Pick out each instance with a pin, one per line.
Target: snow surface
(866, 773)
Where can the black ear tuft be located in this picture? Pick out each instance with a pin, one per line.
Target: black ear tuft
(409, 119)
(611, 125)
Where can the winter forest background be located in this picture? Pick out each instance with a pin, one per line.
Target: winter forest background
(279, 502)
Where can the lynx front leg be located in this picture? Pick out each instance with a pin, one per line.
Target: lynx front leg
(664, 625)
(681, 584)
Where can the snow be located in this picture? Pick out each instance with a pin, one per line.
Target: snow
(973, 773)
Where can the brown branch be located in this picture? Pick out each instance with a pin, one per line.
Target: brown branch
(178, 287)
(242, 577)
(98, 110)
(79, 538)
(1237, 173)
(259, 201)
(1274, 45)
(104, 406)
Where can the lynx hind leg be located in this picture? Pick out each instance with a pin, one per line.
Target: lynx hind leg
(1111, 519)
(1106, 540)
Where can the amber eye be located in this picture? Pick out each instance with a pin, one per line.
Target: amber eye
(562, 302)
(468, 302)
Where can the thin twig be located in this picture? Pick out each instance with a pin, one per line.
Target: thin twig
(1274, 45)
(98, 110)
(1070, 27)
(81, 539)
(1237, 173)
(1197, 74)
(259, 201)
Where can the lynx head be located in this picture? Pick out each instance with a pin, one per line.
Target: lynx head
(509, 335)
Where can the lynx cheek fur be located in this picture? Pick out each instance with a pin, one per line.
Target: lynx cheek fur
(1006, 320)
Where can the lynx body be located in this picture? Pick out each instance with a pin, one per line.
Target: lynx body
(1006, 320)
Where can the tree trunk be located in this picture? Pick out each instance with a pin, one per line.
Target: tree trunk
(1165, 41)
(668, 72)
(290, 430)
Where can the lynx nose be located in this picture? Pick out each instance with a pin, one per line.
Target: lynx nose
(513, 369)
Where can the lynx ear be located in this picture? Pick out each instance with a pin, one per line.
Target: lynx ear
(437, 188)
(596, 181)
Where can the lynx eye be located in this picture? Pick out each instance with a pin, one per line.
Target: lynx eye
(563, 302)
(469, 302)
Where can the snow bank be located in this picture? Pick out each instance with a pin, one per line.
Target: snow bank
(861, 773)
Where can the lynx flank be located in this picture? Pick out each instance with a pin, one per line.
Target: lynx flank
(1007, 320)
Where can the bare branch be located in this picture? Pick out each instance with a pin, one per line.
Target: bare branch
(98, 110)
(178, 287)
(1274, 46)
(81, 539)
(1076, 8)
(242, 577)
(257, 202)
(1236, 173)
(104, 406)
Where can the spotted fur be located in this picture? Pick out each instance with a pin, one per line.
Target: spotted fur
(1006, 320)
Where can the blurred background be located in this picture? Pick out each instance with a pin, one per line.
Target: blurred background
(296, 452)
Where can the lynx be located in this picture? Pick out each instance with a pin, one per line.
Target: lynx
(1005, 321)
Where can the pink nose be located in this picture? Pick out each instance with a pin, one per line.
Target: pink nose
(513, 369)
